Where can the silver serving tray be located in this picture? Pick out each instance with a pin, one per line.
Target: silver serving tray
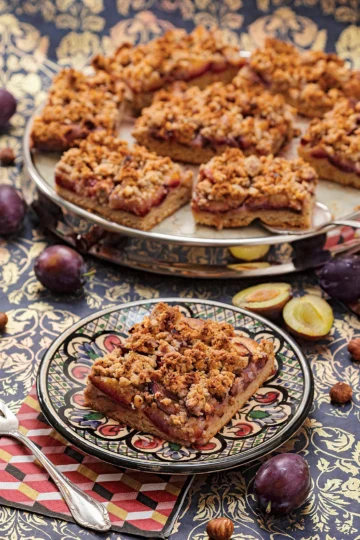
(178, 246)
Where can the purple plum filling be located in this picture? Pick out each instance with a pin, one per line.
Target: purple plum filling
(199, 141)
(340, 163)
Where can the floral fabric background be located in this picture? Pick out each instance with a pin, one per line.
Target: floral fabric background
(35, 37)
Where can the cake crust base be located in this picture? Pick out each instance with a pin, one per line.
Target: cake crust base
(136, 419)
(277, 218)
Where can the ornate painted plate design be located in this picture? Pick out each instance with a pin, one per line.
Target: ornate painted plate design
(272, 415)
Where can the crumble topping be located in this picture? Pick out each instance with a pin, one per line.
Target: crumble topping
(174, 56)
(132, 179)
(183, 365)
(76, 106)
(338, 132)
(311, 80)
(220, 114)
(232, 180)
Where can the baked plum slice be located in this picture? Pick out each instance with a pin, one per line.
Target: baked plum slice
(267, 299)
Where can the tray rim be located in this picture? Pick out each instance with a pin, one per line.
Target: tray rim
(188, 269)
(221, 464)
(45, 188)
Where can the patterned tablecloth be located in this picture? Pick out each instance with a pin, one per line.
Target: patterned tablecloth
(34, 37)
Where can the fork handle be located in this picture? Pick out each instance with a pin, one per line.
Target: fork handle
(348, 222)
(85, 510)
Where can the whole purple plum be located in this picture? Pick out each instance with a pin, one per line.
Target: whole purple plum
(60, 269)
(283, 483)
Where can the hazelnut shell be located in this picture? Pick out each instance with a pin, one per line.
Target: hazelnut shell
(354, 349)
(220, 529)
(7, 156)
(341, 393)
(3, 320)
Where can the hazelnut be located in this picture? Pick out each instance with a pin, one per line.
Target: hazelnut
(138, 401)
(3, 320)
(7, 156)
(354, 349)
(341, 393)
(220, 528)
(252, 165)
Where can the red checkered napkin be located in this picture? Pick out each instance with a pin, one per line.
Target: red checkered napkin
(138, 503)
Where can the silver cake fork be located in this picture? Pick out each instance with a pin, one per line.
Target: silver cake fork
(85, 510)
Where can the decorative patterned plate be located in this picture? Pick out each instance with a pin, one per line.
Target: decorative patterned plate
(273, 414)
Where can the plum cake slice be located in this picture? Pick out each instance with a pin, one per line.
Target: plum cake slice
(193, 125)
(332, 144)
(179, 378)
(198, 58)
(232, 190)
(77, 106)
(130, 186)
(311, 81)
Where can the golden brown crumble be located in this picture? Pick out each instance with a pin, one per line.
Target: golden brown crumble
(105, 168)
(76, 106)
(219, 114)
(174, 56)
(233, 180)
(313, 81)
(338, 133)
(180, 362)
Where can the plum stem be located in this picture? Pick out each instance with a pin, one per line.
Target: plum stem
(268, 508)
(89, 273)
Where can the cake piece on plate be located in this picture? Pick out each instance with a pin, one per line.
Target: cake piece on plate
(232, 190)
(198, 58)
(332, 144)
(311, 81)
(130, 186)
(179, 378)
(76, 106)
(193, 125)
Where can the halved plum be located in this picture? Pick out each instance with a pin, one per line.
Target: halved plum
(249, 253)
(246, 266)
(267, 299)
(309, 317)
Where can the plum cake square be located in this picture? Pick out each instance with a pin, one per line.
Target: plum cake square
(232, 190)
(332, 144)
(198, 58)
(193, 125)
(76, 106)
(179, 378)
(311, 81)
(130, 186)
